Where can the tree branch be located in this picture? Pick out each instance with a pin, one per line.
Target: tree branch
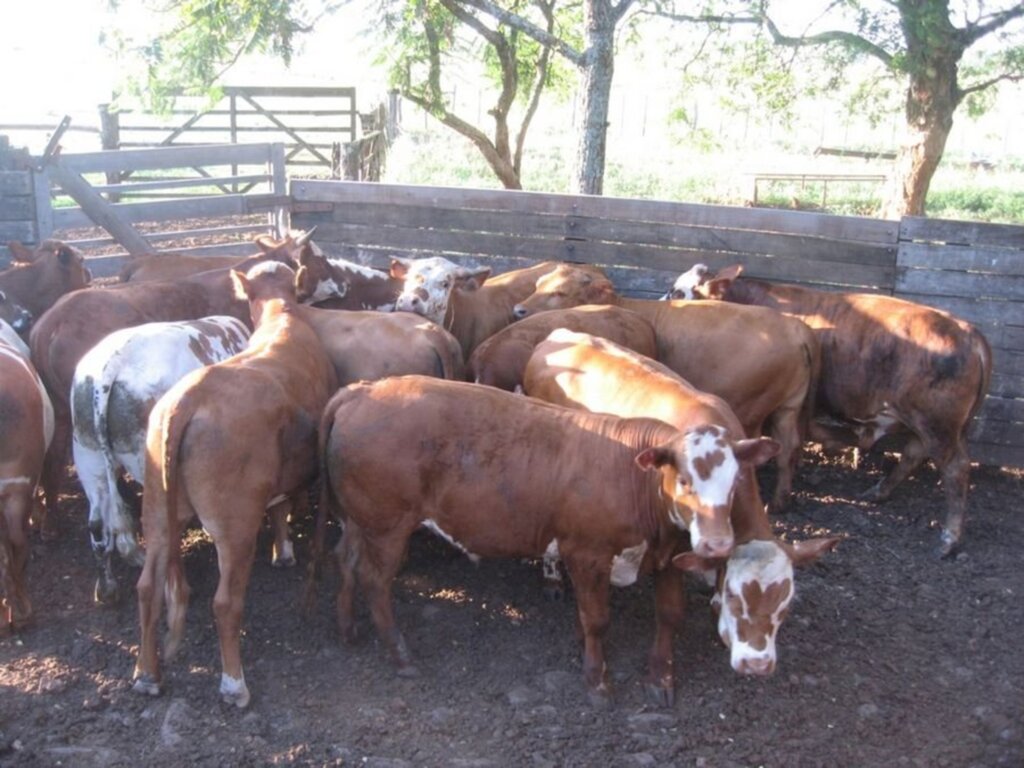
(1009, 76)
(619, 9)
(848, 39)
(974, 32)
(529, 28)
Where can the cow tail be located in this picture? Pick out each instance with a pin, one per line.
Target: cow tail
(103, 389)
(175, 421)
(983, 351)
(326, 506)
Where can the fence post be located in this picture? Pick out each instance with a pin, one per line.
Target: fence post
(394, 124)
(110, 138)
(279, 184)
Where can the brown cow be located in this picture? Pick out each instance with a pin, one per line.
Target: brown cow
(78, 321)
(26, 424)
(501, 475)
(755, 584)
(38, 277)
(222, 444)
(888, 366)
(501, 360)
(168, 266)
(764, 364)
(461, 300)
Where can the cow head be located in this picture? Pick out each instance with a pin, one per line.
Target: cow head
(698, 283)
(700, 470)
(564, 287)
(289, 249)
(429, 284)
(753, 594)
(315, 280)
(61, 267)
(15, 315)
(270, 281)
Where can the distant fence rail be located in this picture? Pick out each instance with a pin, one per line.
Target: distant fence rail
(973, 270)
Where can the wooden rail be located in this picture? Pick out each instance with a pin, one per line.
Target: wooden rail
(823, 178)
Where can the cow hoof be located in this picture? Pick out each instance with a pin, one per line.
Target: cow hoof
(408, 671)
(234, 692)
(106, 593)
(600, 697)
(660, 695)
(147, 685)
(553, 592)
(949, 546)
(284, 562)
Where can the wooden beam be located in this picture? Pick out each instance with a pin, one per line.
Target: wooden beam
(98, 209)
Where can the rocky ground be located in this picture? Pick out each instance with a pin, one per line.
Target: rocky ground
(890, 657)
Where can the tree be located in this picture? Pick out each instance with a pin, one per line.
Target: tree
(919, 41)
(429, 34)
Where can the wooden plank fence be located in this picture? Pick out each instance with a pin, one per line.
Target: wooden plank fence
(974, 270)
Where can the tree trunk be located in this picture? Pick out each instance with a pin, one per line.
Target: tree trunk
(933, 53)
(598, 68)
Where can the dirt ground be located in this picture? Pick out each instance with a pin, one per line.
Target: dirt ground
(890, 657)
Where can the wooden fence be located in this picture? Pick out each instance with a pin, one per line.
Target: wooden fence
(205, 197)
(973, 270)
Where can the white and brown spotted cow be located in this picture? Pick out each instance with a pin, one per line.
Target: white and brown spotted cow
(222, 444)
(26, 429)
(888, 366)
(755, 583)
(115, 387)
(502, 475)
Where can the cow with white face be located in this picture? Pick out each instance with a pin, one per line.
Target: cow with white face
(754, 587)
(429, 283)
(685, 286)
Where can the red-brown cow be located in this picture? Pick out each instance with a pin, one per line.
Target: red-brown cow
(461, 300)
(38, 277)
(168, 266)
(764, 364)
(222, 444)
(26, 424)
(78, 321)
(755, 583)
(888, 366)
(501, 475)
(501, 360)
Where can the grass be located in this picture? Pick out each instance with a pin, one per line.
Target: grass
(683, 174)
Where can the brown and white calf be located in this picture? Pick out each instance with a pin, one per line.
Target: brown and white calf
(762, 363)
(888, 366)
(469, 303)
(341, 284)
(26, 426)
(500, 361)
(222, 444)
(755, 583)
(502, 475)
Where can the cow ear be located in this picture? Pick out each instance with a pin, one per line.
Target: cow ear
(719, 285)
(806, 552)
(65, 256)
(19, 253)
(241, 285)
(399, 268)
(691, 562)
(651, 458)
(755, 451)
(265, 243)
(471, 281)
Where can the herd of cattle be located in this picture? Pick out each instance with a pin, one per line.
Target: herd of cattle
(534, 413)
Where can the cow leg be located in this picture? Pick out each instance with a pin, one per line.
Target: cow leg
(54, 466)
(150, 588)
(236, 550)
(669, 610)
(92, 473)
(16, 506)
(377, 567)
(785, 429)
(348, 552)
(283, 555)
(955, 479)
(913, 454)
(591, 582)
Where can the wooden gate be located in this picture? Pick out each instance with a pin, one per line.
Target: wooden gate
(311, 122)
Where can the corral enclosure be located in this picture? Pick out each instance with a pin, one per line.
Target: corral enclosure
(974, 270)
